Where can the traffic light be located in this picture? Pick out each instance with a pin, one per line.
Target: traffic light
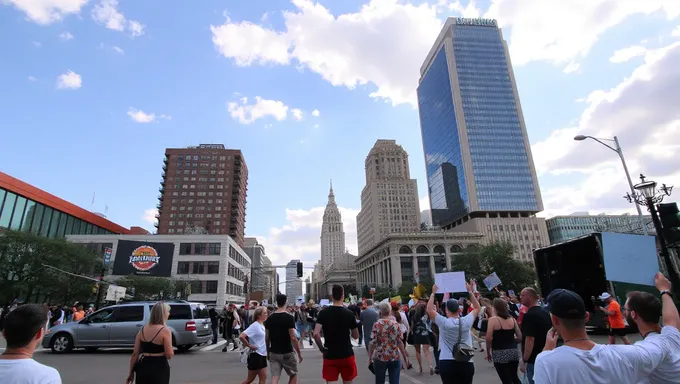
(299, 269)
(670, 221)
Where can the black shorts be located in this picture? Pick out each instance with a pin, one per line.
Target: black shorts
(617, 332)
(256, 361)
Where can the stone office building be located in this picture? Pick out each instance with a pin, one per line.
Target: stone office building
(398, 257)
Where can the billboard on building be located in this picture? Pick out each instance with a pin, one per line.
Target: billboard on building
(143, 258)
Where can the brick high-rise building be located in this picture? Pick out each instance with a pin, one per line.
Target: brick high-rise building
(203, 189)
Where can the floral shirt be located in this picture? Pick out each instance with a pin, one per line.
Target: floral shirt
(384, 335)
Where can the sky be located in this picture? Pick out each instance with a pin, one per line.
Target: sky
(92, 92)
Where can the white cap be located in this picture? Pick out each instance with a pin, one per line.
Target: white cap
(605, 296)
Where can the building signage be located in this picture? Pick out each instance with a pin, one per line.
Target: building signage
(143, 258)
(479, 22)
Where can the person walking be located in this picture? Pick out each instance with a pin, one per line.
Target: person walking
(312, 314)
(421, 336)
(214, 323)
(281, 340)
(337, 322)
(535, 325)
(254, 338)
(385, 346)
(79, 314)
(153, 349)
(454, 336)
(23, 331)
(617, 327)
(502, 337)
(368, 317)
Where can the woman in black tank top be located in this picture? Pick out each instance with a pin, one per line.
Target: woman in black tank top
(502, 336)
(153, 349)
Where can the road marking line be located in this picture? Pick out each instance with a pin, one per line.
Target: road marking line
(213, 346)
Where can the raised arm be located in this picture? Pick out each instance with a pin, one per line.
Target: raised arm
(431, 310)
(669, 311)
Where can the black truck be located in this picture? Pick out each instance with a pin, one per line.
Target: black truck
(599, 262)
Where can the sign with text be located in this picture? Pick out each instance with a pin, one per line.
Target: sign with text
(107, 255)
(115, 293)
(449, 282)
(143, 258)
(492, 281)
(324, 302)
(478, 22)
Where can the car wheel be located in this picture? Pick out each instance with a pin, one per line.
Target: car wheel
(61, 343)
(91, 349)
(184, 348)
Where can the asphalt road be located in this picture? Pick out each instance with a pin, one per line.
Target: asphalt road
(208, 365)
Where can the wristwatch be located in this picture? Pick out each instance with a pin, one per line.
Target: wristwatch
(666, 292)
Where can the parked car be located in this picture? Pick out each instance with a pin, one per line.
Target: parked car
(117, 326)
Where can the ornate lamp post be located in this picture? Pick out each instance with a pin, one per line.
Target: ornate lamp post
(646, 193)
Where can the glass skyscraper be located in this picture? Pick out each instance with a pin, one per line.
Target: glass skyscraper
(476, 148)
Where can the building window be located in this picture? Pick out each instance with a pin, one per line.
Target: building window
(182, 267)
(211, 286)
(197, 268)
(185, 248)
(213, 267)
(214, 248)
(199, 249)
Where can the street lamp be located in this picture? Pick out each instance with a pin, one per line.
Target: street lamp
(617, 148)
(646, 193)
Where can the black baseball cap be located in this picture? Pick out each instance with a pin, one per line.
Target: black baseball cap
(566, 304)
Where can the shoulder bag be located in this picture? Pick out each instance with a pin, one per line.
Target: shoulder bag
(245, 354)
(462, 352)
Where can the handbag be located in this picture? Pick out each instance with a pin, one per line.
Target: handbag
(245, 354)
(462, 352)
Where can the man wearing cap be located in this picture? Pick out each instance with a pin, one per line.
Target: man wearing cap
(581, 361)
(617, 327)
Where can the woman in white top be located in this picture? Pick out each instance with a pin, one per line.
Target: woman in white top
(254, 338)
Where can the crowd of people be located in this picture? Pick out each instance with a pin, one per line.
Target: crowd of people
(545, 340)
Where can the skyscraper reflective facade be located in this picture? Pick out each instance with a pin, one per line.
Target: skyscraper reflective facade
(477, 152)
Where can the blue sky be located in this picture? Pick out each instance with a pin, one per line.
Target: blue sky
(94, 91)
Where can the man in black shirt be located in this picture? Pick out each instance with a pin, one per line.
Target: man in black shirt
(338, 355)
(535, 326)
(312, 314)
(280, 339)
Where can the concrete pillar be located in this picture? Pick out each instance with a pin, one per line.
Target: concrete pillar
(432, 268)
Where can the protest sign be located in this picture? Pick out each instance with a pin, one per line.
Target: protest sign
(449, 282)
(492, 281)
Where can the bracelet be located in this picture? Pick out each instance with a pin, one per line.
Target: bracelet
(666, 292)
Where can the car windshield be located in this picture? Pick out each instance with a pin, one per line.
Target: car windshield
(200, 311)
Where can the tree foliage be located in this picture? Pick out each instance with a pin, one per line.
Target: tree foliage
(24, 274)
(149, 287)
(480, 262)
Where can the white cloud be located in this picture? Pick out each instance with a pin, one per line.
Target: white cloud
(641, 111)
(32, 78)
(299, 237)
(46, 11)
(625, 54)
(563, 32)
(69, 80)
(118, 50)
(107, 14)
(150, 215)
(676, 32)
(136, 28)
(316, 113)
(247, 113)
(140, 116)
(384, 44)
(65, 36)
(424, 203)
(37, 44)
(297, 113)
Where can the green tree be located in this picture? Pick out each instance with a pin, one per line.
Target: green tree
(365, 291)
(350, 290)
(27, 271)
(479, 262)
(148, 287)
(405, 289)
